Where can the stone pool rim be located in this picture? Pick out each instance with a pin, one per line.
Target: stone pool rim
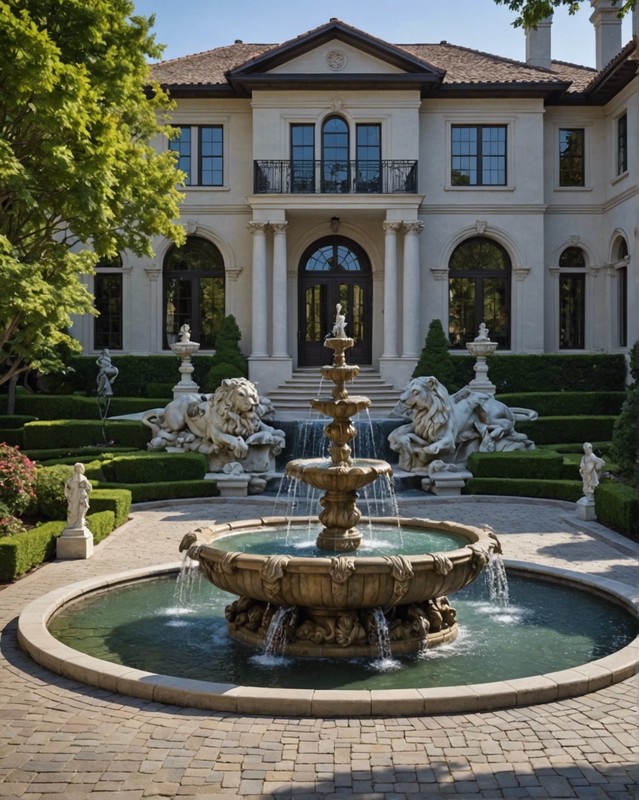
(34, 638)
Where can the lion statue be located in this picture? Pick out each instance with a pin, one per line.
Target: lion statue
(224, 425)
(447, 428)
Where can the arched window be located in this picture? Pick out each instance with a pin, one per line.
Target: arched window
(622, 292)
(479, 291)
(572, 299)
(107, 298)
(193, 291)
(335, 155)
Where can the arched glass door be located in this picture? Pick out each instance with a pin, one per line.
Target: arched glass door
(334, 270)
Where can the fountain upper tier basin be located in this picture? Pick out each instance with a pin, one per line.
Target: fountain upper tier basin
(322, 473)
(340, 582)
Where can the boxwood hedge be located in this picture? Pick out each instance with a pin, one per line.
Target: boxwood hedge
(527, 487)
(617, 505)
(548, 430)
(518, 464)
(82, 433)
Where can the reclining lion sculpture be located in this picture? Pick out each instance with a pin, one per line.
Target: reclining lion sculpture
(224, 425)
(450, 427)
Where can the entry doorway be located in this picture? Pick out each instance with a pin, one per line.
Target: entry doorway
(334, 270)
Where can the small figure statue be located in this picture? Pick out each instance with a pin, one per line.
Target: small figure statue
(590, 469)
(185, 333)
(483, 333)
(339, 328)
(76, 491)
(107, 373)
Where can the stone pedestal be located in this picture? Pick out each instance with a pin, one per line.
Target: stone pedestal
(586, 509)
(186, 385)
(75, 543)
(230, 485)
(446, 484)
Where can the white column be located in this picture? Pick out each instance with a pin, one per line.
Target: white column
(259, 291)
(410, 312)
(280, 321)
(390, 288)
(156, 312)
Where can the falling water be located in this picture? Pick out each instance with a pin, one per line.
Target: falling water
(187, 582)
(385, 662)
(275, 640)
(496, 581)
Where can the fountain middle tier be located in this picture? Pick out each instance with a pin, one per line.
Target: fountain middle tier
(335, 597)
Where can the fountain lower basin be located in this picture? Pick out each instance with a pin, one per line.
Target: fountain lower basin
(335, 597)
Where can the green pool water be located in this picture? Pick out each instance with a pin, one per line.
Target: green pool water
(179, 629)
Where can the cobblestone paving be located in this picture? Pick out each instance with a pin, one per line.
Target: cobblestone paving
(58, 737)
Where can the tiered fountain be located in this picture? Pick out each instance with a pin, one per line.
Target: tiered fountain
(335, 602)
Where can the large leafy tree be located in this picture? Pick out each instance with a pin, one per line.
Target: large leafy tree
(530, 12)
(79, 179)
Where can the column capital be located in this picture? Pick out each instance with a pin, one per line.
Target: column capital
(521, 272)
(153, 273)
(278, 227)
(233, 274)
(439, 273)
(257, 227)
(414, 226)
(391, 227)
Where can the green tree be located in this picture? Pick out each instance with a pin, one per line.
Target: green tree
(228, 361)
(435, 358)
(530, 12)
(79, 179)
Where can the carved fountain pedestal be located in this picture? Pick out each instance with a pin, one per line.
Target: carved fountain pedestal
(334, 604)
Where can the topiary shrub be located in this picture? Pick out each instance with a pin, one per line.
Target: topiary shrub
(625, 436)
(116, 500)
(435, 358)
(523, 487)
(49, 489)
(228, 361)
(544, 464)
(548, 430)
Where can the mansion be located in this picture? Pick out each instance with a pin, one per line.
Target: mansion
(405, 181)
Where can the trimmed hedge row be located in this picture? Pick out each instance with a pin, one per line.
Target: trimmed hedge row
(27, 550)
(569, 404)
(601, 372)
(135, 373)
(72, 406)
(69, 455)
(518, 464)
(155, 467)
(617, 505)
(83, 433)
(171, 490)
(525, 487)
(118, 501)
(12, 436)
(547, 430)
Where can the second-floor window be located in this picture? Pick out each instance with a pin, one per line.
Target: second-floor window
(478, 155)
(302, 157)
(622, 144)
(572, 157)
(200, 151)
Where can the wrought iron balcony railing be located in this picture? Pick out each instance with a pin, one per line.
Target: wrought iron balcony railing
(335, 177)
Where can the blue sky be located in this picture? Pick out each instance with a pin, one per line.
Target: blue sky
(191, 26)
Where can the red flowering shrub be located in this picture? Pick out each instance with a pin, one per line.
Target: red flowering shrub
(8, 523)
(17, 479)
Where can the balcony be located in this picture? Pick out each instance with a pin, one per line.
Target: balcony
(335, 177)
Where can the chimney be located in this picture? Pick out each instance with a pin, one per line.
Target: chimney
(538, 44)
(607, 30)
(635, 21)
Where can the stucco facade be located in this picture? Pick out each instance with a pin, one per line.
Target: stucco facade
(342, 145)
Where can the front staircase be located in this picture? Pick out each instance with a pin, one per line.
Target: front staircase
(292, 398)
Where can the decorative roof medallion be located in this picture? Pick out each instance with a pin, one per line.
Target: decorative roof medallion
(336, 60)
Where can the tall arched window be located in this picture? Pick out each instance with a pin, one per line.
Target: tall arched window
(479, 291)
(572, 299)
(107, 298)
(193, 291)
(335, 155)
(622, 292)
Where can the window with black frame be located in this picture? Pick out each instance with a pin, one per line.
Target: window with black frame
(369, 158)
(479, 285)
(572, 299)
(572, 167)
(478, 155)
(335, 155)
(302, 158)
(622, 144)
(107, 293)
(622, 292)
(194, 291)
(200, 150)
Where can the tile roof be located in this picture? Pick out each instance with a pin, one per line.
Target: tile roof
(462, 65)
